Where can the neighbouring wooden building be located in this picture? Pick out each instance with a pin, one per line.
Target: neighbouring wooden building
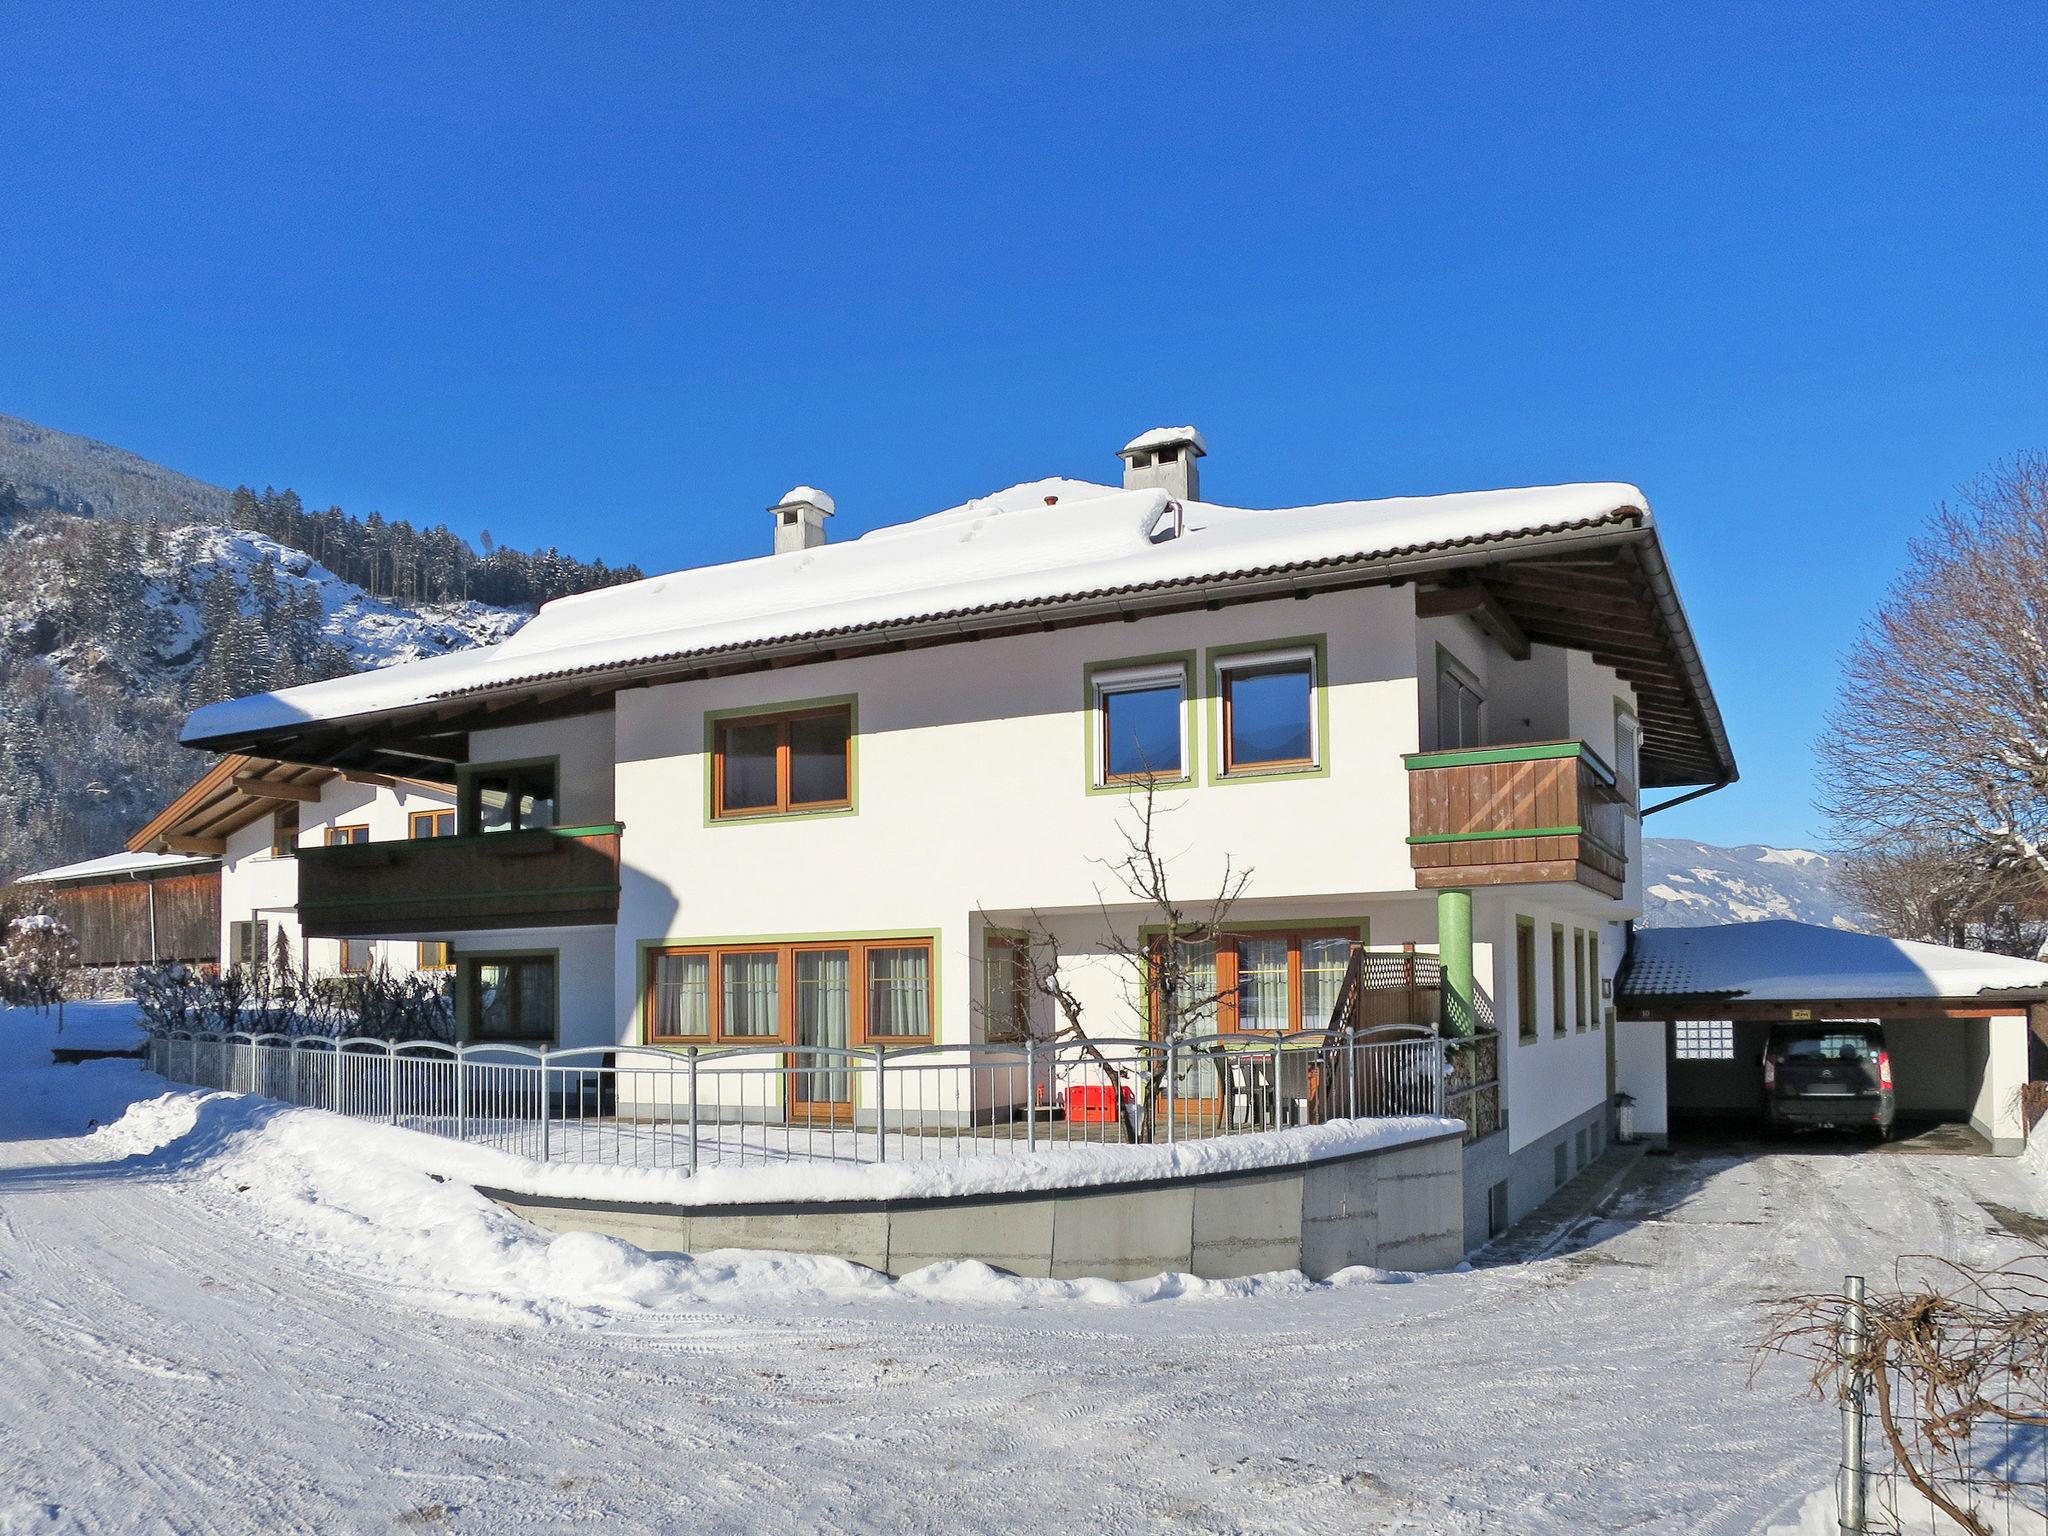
(136, 908)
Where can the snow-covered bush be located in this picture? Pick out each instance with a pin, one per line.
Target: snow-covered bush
(36, 960)
(273, 999)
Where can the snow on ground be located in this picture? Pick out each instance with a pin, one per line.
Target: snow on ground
(224, 1315)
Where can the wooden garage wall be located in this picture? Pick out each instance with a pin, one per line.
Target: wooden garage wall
(110, 921)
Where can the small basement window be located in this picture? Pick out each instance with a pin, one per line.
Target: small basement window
(1705, 1040)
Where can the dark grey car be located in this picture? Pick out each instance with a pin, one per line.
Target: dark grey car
(1829, 1074)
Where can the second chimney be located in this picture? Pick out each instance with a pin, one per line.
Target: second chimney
(1164, 460)
(800, 519)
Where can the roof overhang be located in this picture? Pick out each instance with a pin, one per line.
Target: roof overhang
(239, 789)
(1598, 584)
(1986, 1005)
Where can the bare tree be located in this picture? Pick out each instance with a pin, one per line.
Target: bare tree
(1168, 966)
(1923, 889)
(1951, 1370)
(1939, 738)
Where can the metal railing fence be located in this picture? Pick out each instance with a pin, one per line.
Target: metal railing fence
(726, 1106)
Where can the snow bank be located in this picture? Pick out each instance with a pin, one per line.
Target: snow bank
(399, 1207)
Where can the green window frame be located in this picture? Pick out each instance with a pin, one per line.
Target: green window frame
(535, 978)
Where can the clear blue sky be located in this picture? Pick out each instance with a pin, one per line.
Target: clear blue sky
(613, 278)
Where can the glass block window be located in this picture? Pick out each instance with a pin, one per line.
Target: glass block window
(1706, 1040)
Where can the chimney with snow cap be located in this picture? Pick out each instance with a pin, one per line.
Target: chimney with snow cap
(1164, 460)
(800, 519)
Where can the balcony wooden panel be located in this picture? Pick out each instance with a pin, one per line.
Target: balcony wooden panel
(556, 877)
(1535, 814)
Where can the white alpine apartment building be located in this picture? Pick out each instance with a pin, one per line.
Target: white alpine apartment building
(809, 798)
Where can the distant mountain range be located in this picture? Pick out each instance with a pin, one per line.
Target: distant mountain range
(1688, 884)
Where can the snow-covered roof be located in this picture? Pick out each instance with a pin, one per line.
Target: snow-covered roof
(1783, 961)
(1162, 437)
(1043, 542)
(121, 864)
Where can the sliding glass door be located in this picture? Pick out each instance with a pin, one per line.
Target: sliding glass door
(821, 1084)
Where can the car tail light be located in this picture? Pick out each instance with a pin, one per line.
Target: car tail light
(1770, 1072)
(1884, 1071)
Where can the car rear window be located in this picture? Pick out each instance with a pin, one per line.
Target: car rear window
(1830, 1047)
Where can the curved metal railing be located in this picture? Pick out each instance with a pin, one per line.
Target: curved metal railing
(689, 1107)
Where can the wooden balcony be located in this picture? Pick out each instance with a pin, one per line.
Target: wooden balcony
(1539, 813)
(551, 878)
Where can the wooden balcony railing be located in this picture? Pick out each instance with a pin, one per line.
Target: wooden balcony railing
(1538, 813)
(547, 878)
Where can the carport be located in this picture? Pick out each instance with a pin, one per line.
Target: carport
(1694, 1005)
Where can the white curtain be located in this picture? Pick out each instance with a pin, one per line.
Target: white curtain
(824, 1007)
(1262, 985)
(682, 995)
(753, 996)
(899, 991)
(1323, 963)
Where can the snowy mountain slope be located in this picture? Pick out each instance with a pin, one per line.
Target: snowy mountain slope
(1687, 884)
(369, 631)
(59, 471)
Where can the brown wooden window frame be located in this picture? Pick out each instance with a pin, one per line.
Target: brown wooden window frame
(1229, 669)
(1229, 1013)
(783, 804)
(859, 980)
(442, 960)
(369, 956)
(433, 821)
(346, 835)
(1528, 1025)
(1011, 953)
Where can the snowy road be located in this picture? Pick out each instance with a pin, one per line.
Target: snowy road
(177, 1359)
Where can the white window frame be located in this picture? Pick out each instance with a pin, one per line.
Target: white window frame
(1134, 680)
(1242, 661)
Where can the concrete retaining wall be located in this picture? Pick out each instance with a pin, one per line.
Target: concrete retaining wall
(1395, 1208)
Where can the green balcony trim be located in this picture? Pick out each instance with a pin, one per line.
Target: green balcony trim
(470, 839)
(1502, 835)
(1463, 757)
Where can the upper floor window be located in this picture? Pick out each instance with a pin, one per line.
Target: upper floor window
(1627, 757)
(284, 830)
(338, 837)
(765, 765)
(1269, 715)
(1459, 706)
(1141, 724)
(431, 824)
(509, 797)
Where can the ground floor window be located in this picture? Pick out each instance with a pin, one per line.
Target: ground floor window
(509, 998)
(249, 944)
(437, 956)
(1007, 987)
(356, 956)
(1269, 982)
(827, 992)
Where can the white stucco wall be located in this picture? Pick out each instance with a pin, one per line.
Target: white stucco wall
(1641, 1049)
(1554, 1078)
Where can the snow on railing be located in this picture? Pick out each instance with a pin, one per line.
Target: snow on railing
(692, 1107)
